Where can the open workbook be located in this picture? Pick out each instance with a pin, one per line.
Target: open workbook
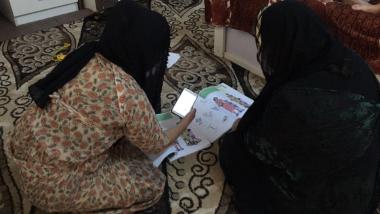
(218, 107)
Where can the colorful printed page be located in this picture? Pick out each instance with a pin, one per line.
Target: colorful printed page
(218, 107)
(185, 145)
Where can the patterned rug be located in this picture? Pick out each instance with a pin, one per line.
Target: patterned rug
(196, 183)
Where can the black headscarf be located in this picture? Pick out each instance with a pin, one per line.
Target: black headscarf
(135, 38)
(293, 42)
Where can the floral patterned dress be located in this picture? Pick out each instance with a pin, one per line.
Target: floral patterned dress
(70, 156)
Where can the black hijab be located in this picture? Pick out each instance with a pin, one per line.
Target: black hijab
(293, 42)
(135, 38)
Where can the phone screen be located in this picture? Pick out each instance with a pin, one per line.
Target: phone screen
(185, 103)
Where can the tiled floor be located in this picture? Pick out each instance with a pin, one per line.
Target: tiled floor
(8, 30)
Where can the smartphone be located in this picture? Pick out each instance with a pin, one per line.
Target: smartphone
(184, 103)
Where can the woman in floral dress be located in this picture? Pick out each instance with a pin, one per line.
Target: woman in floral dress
(83, 145)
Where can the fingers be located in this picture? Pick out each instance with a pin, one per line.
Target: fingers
(175, 132)
(185, 122)
(366, 8)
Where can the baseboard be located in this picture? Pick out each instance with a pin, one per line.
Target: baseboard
(40, 15)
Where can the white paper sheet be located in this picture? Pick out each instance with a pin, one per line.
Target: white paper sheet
(173, 58)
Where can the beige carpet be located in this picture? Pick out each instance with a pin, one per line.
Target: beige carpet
(196, 183)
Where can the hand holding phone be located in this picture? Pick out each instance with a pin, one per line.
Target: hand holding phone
(184, 103)
(175, 132)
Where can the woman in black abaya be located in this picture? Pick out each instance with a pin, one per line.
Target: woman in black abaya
(310, 142)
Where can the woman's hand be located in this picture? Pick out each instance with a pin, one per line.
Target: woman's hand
(366, 7)
(175, 132)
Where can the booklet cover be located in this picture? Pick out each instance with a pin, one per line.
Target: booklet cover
(218, 107)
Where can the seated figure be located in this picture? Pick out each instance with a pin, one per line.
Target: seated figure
(310, 143)
(82, 146)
